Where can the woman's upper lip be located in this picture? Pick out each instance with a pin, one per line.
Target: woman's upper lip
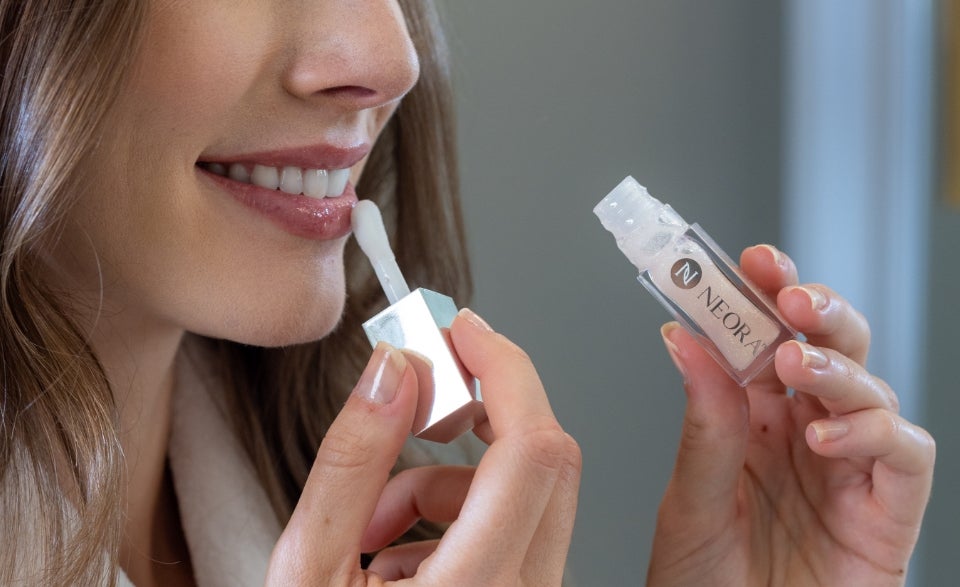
(321, 156)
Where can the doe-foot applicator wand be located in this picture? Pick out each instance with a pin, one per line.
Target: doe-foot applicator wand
(418, 323)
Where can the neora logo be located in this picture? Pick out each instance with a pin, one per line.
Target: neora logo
(686, 273)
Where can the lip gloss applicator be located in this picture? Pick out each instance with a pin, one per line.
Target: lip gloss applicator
(417, 322)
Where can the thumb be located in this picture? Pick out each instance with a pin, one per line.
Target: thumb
(322, 539)
(715, 431)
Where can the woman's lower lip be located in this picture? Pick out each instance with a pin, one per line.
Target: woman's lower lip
(303, 216)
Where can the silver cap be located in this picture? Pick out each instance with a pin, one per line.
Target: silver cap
(418, 324)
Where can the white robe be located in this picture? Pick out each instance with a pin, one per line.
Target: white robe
(226, 515)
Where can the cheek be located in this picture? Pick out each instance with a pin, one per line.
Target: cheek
(194, 62)
(167, 252)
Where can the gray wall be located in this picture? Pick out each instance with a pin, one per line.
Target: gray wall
(942, 525)
(558, 102)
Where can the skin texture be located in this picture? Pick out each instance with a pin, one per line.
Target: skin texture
(827, 487)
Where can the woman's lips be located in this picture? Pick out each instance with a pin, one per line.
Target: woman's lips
(323, 156)
(313, 218)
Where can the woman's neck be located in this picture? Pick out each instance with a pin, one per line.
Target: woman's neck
(138, 357)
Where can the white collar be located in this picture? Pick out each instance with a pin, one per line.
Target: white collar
(227, 518)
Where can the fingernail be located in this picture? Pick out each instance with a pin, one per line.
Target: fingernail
(666, 331)
(818, 301)
(469, 315)
(777, 256)
(380, 381)
(830, 430)
(813, 358)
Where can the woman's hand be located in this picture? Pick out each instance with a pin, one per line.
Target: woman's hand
(512, 517)
(823, 487)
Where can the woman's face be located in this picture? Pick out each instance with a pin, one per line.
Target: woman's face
(183, 219)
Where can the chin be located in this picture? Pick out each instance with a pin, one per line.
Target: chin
(299, 333)
(269, 325)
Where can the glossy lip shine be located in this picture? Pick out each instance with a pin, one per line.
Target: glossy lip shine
(300, 215)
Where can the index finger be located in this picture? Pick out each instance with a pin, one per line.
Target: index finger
(353, 462)
(513, 396)
(768, 268)
(527, 478)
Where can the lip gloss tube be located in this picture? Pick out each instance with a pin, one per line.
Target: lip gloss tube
(695, 281)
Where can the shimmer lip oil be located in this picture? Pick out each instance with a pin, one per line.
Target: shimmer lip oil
(695, 280)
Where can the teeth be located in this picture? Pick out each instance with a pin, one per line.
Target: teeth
(291, 180)
(315, 183)
(338, 181)
(239, 173)
(265, 177)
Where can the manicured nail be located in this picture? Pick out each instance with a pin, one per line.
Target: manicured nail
(777, 256)
(666, 331)
(818, 301)
(380, 381)
(813, 358)
(830, 430)
(469, 315)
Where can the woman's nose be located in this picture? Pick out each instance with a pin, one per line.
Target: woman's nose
(357, 54)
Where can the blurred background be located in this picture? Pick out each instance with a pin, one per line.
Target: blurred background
(815, 125)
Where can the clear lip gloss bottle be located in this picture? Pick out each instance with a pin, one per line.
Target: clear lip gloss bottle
(695, 280)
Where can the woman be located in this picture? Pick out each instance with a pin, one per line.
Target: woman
(176, 340)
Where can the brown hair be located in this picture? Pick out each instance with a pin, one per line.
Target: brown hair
(61, 465)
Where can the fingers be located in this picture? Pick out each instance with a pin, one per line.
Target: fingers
(511, 491)
(864, 425)
(544, 562)
(714, 438)
(528, 476)
(515, 401)
(768, 268)
(402, 561)
(826, 319)
(851, 415)
(322, 539)
(434, 493)
(841, 384)
(904, 453)
(877, 433)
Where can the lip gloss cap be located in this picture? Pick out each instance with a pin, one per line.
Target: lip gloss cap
(642, 225)
(448, 405)
(418, 323)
